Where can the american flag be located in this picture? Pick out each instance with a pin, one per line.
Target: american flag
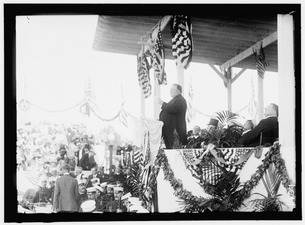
(190, 113)
(137, 156)
(233, 155)
(143, 75)
(158, 58)
(182, 40)
(260, 59)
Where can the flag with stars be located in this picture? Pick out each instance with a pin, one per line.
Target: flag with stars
(182, 44)
(158, 58)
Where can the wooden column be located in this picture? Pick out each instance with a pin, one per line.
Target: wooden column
(142, 104)
(229, 88)
(260, 94)
(180, 75)
(157, 93)
(286, 93)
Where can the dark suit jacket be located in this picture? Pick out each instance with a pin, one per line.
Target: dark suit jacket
(173, 117)
(66, 195)
(268, 126)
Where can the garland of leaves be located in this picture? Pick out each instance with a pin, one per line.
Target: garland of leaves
(272, 156)
(193, 203)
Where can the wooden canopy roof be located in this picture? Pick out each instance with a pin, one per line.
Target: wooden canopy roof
(217, 36)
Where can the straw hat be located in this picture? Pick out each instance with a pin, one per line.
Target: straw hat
(91, 189)
(104, 184)
(88, 206)
(126, 196)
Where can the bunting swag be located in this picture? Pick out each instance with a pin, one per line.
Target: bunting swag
(158, 58)
(207, 164)
(261, 62)
(182, 48)
(232, 158)
(143, 75)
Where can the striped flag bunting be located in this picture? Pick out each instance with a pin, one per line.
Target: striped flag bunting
(143, 75)
(190, 113)
(182, 44)
(138, 156)
(261, 62)
(208, 171)
(158, 58)
(232, 158)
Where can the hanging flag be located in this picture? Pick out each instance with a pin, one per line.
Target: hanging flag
(261, 62)
(158, 58)
(143, 74)
(182, 44)
(190, 113)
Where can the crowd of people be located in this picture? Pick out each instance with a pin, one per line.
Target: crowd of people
(64, 173)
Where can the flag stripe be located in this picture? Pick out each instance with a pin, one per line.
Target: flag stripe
(182, 40)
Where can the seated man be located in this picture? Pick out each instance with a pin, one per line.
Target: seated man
(248, 125)
(109, 197)
(116, 205)
(194, 141)
(268, 127)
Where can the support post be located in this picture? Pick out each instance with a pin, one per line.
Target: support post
(142, 104)
(287, 93)
(180, 75)
(229, 89)
(157, 93)
(260, 93)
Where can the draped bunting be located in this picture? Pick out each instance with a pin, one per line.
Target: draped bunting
(147, 138)
(210, 169)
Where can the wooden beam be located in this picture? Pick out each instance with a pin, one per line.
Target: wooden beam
(219, 73)
(238, 75)
(266, 41)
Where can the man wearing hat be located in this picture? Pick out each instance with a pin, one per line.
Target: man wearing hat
(66, 195)
(91, 193)
(108, 197)
(117, 204)
(51, 189)
(42, 193)
(213, 124)
(94, 176)
(82, 191)
(173, 116)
